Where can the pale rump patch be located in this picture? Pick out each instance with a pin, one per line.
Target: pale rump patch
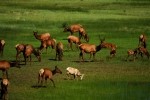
(141, 36)
(41, 71)
(2, 42)
(17, 45)
(5, 81)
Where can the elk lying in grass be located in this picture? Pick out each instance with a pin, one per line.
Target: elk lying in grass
(73, 39)
(4, 88)
(89, 48)
(46, 73)
(142, 50)
(28, 50)
(75, 72)
(4, 66)
(59, 51)
(73, 28)
(2, 44)
(142, 41)
(42, 37)
(47, 43)
(83, 34)
(132, 53)
(19, 48)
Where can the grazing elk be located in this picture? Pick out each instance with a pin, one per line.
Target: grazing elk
(89, 48)
(47, 43)
(28, 50)
(19, 48)
(42, 37)
(142, 50)
(73, 39)
(2, 44)
(132, 53)
(142, 41)
(59, 51)
(4, 66)
(73, 28)
(4, 88)
(83, 34)
(46, 73)
(75, 72)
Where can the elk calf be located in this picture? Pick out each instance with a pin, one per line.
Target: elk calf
(59, 51)
(73, 39)
(42, 37)
(46, 73)
(75, 72)
(132, 53)
(2, 44)
(4, 89)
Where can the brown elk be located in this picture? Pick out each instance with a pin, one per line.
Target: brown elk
(28, 50)
(59, 51)
(46, 73)
(83, 34)
(73, 39)
(142, 50)
(89, 48)
(42, 37)
(73, 28)
(4, 88)
(4, 66)
(132, 53)
(47, 43)
(142, 40)
(2, 44)
(19, 48)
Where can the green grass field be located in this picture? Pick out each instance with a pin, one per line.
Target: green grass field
(119, 21)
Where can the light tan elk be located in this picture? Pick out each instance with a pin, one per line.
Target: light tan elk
(142, 50)
(2, 44)
(83, 34)
(47, 43)
(73, 39)
(4, 89)
(92, 49)
(132, 53)
(142, 41)
(46, 73)
(59, 51)
(28, 50)
(72, 28)
(42, 37)
(4, 66)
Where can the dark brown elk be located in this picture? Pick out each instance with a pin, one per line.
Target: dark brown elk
(73, 39)
(28, 50)
(19, 48)
(59, 51)
(83, 34)
(92, 49)
(46, 73)
(47, 43)
(132, 53)
(42, 37)
(4, 66)
(142, 40)
(2, 44)
(73, 28)
(142, 50)
(4, 89)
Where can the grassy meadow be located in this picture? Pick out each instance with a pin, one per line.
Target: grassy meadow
(119, 21)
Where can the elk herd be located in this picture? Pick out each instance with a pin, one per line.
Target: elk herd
(46, 41)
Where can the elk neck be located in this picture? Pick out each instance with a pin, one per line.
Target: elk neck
(98, 48)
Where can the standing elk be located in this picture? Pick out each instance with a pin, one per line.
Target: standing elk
(59, 51)
(28, 50)
(89, 48)
(75, 72)
(2, 44)
(47, 43)
(142, 50)
(73, 39)
(132, 53)
(42, 37)
(46, 73)
(4, 88)
(142, 41)
(4, 66)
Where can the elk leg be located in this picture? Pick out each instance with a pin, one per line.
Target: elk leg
(53, 82)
